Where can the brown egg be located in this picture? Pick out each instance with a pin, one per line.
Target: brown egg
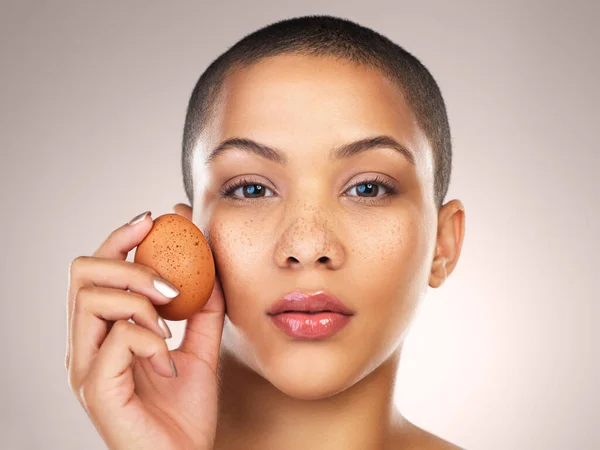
(176, 248)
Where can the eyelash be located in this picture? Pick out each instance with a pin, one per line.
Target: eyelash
(391, 190)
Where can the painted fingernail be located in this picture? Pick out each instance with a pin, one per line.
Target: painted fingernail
(165, 288)
(173, 368)
(139, 218)
(165, 328)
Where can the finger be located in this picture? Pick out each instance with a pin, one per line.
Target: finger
(94, 307)
(88, 271)
(122, 240)
(118, 244)
(111, 375)
(125, 342)
(93, 271)
(183, 210)
(203, 331)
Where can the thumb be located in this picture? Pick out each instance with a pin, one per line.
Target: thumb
(183, 210)
(203, 331)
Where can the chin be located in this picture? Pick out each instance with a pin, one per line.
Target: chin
(310, 376)
(302, 389)
(305, 370)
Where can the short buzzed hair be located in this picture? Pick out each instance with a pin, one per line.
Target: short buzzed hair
(328, 36)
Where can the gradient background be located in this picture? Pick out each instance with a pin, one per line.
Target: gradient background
(502, 356)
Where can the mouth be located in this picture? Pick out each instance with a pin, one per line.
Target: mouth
(317, 302)
(310, 316)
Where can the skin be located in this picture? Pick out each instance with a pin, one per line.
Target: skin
(310, 230)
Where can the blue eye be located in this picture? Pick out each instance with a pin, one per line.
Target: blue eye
(246, 187)
(253, 190)
(368, 190)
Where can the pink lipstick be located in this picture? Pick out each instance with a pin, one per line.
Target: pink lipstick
(310, 316)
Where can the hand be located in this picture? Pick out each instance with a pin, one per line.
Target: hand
(121, 372)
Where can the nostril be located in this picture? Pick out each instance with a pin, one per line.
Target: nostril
(322, 259)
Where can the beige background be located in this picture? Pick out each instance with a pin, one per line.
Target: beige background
(503, 356)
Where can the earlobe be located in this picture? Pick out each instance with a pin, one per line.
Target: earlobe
(439, 273)
(183, 210)
(451, 228)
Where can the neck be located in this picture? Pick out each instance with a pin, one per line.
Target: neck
(252, 410)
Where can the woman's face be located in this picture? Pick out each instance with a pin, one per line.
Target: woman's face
(360, 227)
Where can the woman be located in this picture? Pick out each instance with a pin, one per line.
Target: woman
(316, 159)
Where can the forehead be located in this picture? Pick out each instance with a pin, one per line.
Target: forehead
(304, 103)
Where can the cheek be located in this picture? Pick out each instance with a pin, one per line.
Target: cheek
(240, 256)
(390, 251)
(394, 271)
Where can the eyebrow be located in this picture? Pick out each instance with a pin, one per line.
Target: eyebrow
(342, 152)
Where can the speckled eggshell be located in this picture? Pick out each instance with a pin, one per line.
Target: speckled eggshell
(176, 248)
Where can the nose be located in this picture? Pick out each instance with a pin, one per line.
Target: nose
(309, 243)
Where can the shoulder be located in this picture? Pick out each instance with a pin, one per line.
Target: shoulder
(412, 437)
(431, 442)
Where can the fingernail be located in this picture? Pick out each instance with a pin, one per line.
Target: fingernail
(173, 368)
(165, 288)
(165, 328)
(139, 218)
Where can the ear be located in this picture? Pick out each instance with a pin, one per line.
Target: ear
(183, 210)
(450, 234)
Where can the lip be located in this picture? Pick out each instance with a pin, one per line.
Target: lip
(317, 301)
(310, 316)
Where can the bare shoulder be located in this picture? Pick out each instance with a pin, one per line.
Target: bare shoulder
(431, 442)
(412, 437)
